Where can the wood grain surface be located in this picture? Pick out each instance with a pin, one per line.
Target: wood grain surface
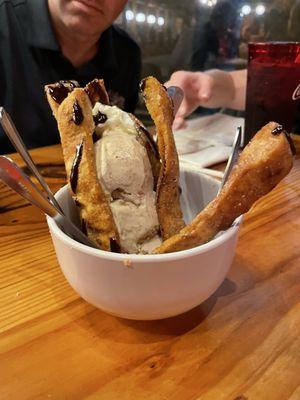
(243, 343)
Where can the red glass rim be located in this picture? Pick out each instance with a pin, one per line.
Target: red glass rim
(281, 52)
(275, 43)
(274, 46)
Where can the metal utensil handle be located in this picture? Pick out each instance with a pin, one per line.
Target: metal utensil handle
(14, 177)
(17, 180)
(177, 95)
(72, 230)
(233, 157)
(19, 145)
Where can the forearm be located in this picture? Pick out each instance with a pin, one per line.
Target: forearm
(240, 84)
(228, 89)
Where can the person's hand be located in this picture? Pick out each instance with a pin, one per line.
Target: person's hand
(197, 87)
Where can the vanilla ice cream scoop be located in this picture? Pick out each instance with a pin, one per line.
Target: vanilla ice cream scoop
(125, 174)
(124, 184)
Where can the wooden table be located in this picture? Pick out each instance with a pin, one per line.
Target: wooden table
(242, 343)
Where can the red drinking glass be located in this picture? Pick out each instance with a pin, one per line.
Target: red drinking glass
(273, 87)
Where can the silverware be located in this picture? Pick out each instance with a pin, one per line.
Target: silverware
(16, 140)
(237, 143)
(17, 180)
(177, 96)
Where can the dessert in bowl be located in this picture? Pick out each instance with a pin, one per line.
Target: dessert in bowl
(151, 286)
(126, 189)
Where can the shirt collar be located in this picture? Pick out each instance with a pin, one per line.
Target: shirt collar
(35, 20)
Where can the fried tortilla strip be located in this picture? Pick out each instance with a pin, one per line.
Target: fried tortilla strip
(160, 108)
(265, 161)
(76, 126)
(57, 92)
(97, 92)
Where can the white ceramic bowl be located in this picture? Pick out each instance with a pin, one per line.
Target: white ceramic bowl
(146, 287)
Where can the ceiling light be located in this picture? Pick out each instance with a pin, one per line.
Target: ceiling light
(129, 15)
(260, 9)
(160, 21)
(151, 19)
(246, 9)
(140, 17)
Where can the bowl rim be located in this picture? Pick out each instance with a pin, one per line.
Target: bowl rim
(146, 258)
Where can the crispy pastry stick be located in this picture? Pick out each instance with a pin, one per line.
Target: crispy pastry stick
(160, 108)
(76, 126)
(264, 162)
(57, 92)
(97, 92)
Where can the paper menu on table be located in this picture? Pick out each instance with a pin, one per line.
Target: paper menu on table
(207, 140)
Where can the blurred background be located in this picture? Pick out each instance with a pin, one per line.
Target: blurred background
(197, 35)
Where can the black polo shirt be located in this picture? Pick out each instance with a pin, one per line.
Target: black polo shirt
(30, 58)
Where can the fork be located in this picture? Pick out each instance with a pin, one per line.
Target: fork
(236, 148)
(15, 138)
(17, 180)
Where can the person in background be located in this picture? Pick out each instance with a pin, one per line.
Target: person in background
(276, 20)
(216, 41)
(182, 52)
(293, 23)
(46, 41)
(211, 89)
(251, 31)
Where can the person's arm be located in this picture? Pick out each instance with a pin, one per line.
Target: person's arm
(228, 89)
(210, 89)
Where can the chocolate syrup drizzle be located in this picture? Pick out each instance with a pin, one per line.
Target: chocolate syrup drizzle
(279, 129)
(143, 84)
(276, 131)
(114, 246)
(77, 115)
(100, 118)
(60, 91)
(75, 167)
